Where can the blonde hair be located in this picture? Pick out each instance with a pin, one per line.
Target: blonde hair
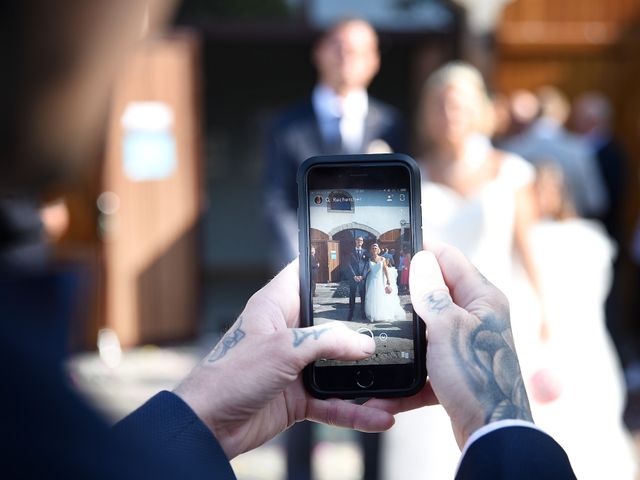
(465, 76)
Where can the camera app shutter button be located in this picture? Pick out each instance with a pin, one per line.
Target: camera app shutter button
(366, 331)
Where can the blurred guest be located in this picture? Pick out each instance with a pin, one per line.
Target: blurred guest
(513, 114)
(394, 256)
(315, 267)
(338, 117)
(524, 107)
(22, 234)
(477, 198)
(403, 271)
(547, 139)
(574, 258)
(632, 369)
(389, 257)
(55, 219)
(592, 118)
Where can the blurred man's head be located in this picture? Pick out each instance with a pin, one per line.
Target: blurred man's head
(554, 104)
(59, 60)
(524, 106)
(591, 112)
(347, 56)
(359, 242)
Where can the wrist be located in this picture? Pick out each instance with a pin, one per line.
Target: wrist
(204, 408)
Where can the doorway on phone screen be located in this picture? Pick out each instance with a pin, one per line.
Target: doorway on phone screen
(362, 242)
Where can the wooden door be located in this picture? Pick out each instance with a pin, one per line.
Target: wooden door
(321, 256)
(149, 212)
(333, 260)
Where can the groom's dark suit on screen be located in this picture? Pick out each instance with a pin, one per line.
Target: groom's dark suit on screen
(358, 266)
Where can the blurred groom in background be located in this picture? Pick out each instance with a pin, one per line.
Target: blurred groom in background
(339, 117)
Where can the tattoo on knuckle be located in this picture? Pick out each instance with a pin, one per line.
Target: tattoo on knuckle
(438, 301)
(228, 341)
(300, 335)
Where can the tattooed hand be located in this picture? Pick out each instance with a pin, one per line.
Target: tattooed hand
(473, 367)
(248, 389)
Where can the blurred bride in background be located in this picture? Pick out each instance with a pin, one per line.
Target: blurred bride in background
(480, 200)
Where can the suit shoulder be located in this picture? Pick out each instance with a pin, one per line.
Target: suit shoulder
(384, 108)
(293, 114)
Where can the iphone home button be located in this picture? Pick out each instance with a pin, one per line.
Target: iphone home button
(364, 378)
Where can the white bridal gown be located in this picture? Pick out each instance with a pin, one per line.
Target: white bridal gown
(380, 306)
(421, 444)
(574, 265)
(574, 259)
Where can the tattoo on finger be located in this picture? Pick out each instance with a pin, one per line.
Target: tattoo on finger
(229, 341)
(300, 335)
(438, 301)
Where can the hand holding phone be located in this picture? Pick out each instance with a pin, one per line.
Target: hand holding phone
(351, 209)
(474, 370)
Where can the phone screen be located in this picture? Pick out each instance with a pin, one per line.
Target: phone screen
(360, 248)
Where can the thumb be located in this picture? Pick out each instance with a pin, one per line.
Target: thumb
(331, 340)
(429, 294)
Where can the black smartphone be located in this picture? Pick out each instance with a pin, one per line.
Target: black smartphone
(360, 224)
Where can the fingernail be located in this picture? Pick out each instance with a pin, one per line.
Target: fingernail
(367, 344)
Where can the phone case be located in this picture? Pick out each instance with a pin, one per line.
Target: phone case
(305, 274)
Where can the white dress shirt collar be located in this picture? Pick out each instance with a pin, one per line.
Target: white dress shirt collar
(327, 103)
(350, 111)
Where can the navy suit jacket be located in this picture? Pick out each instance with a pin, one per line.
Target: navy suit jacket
(515, 452)
(295, 136)
(612, 162)
(358, 265)
(49, 431)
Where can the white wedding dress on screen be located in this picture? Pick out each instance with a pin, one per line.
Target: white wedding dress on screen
(380, 306)
(421, 444)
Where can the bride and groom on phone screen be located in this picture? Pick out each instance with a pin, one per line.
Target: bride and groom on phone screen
(375, 282)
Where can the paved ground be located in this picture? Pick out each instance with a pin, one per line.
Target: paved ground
(393, 339)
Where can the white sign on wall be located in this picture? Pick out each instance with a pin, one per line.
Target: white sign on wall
(148, 141)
